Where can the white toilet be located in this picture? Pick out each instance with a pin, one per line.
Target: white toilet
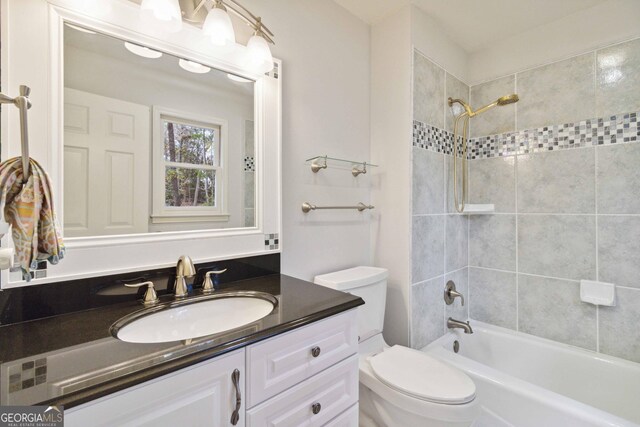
(400, 386)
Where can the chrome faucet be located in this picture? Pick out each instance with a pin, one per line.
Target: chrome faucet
(184, 268)
(465, 326)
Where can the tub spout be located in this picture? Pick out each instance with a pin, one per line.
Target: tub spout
(465, 326)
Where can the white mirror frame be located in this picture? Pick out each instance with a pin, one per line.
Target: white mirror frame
(32, 54)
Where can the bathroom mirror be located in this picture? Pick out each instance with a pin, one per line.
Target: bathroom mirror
(153, 142)
(149, 158)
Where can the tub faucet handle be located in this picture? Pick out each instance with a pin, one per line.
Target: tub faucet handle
(450, 293)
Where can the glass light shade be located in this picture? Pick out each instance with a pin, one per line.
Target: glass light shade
(259, 55)
(193, 67)
(165, 14)
(217, 26)
(145, 52)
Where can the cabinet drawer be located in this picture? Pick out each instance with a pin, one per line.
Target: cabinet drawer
(348, 418)
(281, 362)
(335, 390)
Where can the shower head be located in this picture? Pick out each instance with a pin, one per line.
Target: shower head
(458, 107)
(504, 100)
(508, 99)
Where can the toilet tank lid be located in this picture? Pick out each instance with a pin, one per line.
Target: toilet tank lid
(352, 277)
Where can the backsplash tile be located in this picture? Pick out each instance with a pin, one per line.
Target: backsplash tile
(618, 179)
(619, 332)
(551, 308)
(456, 242)
(619, 250)
(617, 129)
(494, 181)
(428, 85)
(428, 182)
(557, 182)
(618, 79)
(492, 297)
(562, 246)
(427, 247)
(492, 241)
(427, 312)
(271, 241)
(622, 128)
(556, 93)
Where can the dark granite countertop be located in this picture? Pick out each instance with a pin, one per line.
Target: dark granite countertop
(72, 358)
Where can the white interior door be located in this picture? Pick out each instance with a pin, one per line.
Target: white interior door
(106, 165)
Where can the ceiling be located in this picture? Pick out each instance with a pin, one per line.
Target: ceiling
(474, 24)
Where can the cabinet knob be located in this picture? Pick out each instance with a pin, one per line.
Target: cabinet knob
(315, 351)
(316, 407)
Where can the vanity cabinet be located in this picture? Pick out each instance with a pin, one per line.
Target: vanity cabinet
(200, 395)
(305, 377)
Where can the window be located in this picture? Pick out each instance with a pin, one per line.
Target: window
(189, 175)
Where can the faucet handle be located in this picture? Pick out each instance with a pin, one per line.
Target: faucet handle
(450, 293)
(150, 296)
(207, 286)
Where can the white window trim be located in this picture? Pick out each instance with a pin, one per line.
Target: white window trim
(162, 214)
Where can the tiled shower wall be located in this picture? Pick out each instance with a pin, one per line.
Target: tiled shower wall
(439, 235)
(562, 167)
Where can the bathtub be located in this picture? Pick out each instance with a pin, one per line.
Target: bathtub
(526, 381)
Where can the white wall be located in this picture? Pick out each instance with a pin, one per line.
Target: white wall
(428, 37)
(325, 54)
(92, 72)
(391, 147)
(583, 31)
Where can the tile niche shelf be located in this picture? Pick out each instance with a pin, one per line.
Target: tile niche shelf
(318, 163)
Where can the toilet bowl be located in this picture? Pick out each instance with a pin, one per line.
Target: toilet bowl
(399, 386)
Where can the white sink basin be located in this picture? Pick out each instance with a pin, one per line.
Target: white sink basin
(194, 318)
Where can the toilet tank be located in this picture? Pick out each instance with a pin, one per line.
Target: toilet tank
(370, 284)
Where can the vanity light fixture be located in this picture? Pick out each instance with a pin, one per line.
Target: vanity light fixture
(193, 67)
(259, 54)
(238, 78)
(165, 14)
(145, 52)
(217, 26)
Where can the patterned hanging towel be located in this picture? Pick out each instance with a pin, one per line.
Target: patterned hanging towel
(28, 208)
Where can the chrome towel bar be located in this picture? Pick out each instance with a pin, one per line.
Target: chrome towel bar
(307, 207)
(23, 104)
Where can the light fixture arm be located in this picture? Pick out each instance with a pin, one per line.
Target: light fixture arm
(231, 5)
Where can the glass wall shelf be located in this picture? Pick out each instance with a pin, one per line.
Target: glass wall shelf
(322, 162)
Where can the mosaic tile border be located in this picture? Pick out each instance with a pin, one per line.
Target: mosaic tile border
(249, 164)
(621, 128)
(27, 374)
(433, 138)
(271, 241)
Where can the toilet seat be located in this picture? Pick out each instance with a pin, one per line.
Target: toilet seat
(418, 375)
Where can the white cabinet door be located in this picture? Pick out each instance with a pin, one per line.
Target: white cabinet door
(199, 396)
(106, 165)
